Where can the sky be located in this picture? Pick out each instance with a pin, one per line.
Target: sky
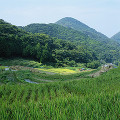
(102, 15)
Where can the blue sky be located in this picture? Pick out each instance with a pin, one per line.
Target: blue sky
(102, 15)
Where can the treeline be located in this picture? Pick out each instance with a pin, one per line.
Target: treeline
(15, 42)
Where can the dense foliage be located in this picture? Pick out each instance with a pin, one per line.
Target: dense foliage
(107, 49)
(15, 42)
(55, 44)
(103, 47)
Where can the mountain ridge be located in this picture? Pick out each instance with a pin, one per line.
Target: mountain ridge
(71, 20)
(79, 26)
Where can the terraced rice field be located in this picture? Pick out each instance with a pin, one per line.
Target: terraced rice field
(58, 97)
(88, 98)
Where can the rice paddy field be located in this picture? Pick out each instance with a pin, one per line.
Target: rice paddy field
(60, 97)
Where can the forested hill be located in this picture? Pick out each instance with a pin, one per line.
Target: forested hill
(61, 46)
(79, 26)
(105, 49)
(15, 42)
(74, 24)
(116, 37)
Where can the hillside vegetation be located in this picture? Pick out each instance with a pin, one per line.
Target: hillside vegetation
(15, 42)
(97, 43)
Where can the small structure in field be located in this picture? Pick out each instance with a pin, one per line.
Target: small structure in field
(107, 67)
(82, 69)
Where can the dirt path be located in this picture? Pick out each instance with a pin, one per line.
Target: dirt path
(104, 68)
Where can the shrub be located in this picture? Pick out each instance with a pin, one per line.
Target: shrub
(93, 65)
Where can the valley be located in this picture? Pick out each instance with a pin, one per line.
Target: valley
(58, 71)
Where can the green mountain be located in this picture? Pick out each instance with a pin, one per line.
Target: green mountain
(54, 43)
(74, 24)
(15, 42)
(105, 49)
(116, 37)
(79, 26)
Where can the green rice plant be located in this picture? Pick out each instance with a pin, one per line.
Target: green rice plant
(20, 94)
(36, 95)
(12, 97)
